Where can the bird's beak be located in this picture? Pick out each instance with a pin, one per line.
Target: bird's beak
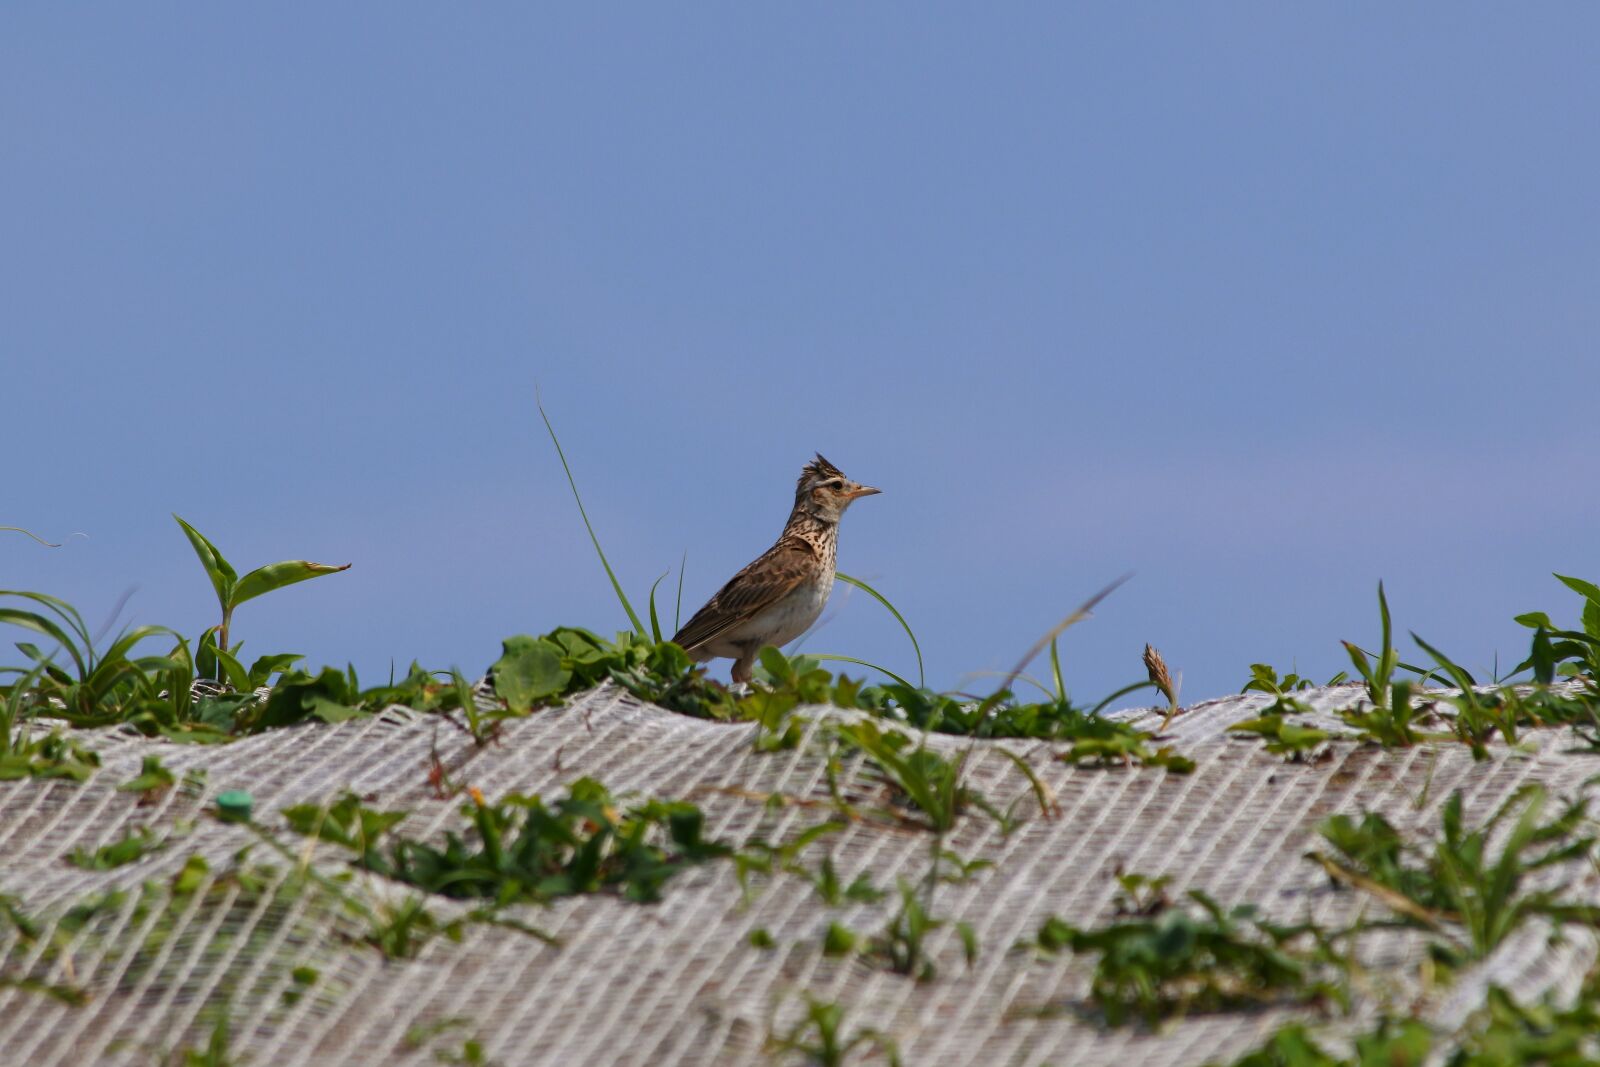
(862, 490)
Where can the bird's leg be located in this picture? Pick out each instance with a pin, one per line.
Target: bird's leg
(742, 665)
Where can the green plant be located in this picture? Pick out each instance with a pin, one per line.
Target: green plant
(526, 850)
(1392, 1043)
(760, 857)
(820, 1038)
(332, 695)
(216, 1052)
(24, 754)
(925, 780)
(901, 946)
(1392, 719)
(833, 890)
(233, 590)
(1392, 724)
(151, 782)
(1171, 961)
(1507, 1033)
(134, 845)
(1377, 669)
(1455, 888)
(1502, 1033)
(1143, 894)
(1264, 679)
(1106, 742)
(1565, 652)
(1283, 737)
(539, 671)
(471, 1052)
(101, 687)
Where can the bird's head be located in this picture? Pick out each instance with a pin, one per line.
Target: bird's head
(825, 492)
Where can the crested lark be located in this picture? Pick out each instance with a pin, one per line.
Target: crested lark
(774, 599)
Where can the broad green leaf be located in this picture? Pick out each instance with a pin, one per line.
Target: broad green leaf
(233, 671)
(1588, 590)
(529, 669)
(152, 775)
(262, 670)
(218, 569)
(775, 663)
(276, 576)
(330, 711)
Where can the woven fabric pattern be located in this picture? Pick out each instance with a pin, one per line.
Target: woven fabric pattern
(678, 982)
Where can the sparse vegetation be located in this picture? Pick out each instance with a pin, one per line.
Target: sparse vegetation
(1456, 889)
(1167, 960)
(897, 756)
(523, 849)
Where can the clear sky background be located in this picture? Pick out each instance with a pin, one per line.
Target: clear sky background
(1262, 302)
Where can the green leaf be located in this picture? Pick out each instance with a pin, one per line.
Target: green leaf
(830, 657)
(330, 711)
(262, 670)
(1587, 590)
(615, 585)
(218, 569)
(529, 669)
(30, 620)
(880, 598)
(277, 575)
(152, 776)
(775, 663)
(838, 940)
(655, 623)
(194, 873)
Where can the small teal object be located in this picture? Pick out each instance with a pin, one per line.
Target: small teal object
(234, 805)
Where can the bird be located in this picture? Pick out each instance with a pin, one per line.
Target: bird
(781, 592)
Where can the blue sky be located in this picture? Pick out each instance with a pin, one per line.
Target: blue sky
(1261, 302)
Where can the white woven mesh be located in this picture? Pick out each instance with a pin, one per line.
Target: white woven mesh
(678, 982)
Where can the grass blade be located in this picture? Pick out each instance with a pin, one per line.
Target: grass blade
(1124, 691)
(1041, 792)
(36, 537)
(861, 663)
(879, 597)
(677, 610)
(616, 585)
(655, 623)
(1056, 631)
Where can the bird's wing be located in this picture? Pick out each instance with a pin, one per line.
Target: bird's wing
(777, 573)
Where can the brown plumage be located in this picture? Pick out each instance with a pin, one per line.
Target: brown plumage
(774, 599)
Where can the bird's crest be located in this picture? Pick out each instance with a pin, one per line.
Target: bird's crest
(818, 470)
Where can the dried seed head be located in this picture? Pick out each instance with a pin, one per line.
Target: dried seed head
(1157, 668)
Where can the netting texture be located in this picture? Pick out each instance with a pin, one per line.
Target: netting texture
(679, 982)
